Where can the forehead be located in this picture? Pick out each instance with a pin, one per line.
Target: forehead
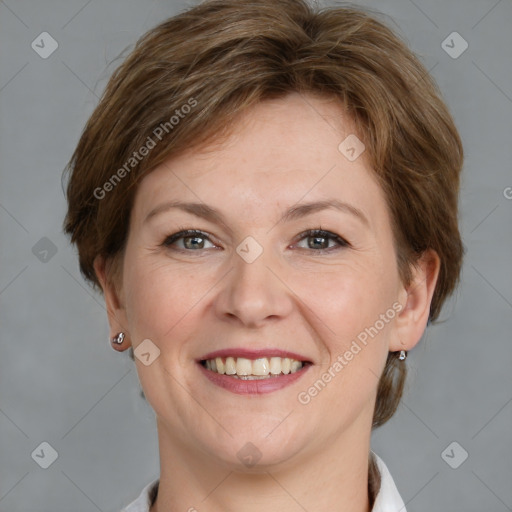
(279, 153)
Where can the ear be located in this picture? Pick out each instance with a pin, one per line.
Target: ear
(113, 300)
(416, 298)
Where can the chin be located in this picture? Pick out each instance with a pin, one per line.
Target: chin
(255, 450)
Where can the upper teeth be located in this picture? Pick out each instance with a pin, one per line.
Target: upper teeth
(261, 367)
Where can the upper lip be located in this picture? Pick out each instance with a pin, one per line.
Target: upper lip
(253, 354)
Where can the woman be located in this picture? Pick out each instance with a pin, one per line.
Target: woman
(266, 194)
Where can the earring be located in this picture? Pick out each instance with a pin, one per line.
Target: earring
(403, 355)
(117, 341)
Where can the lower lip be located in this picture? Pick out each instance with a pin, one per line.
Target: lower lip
(253, 387)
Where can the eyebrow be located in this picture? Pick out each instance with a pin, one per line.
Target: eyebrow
(207, 212)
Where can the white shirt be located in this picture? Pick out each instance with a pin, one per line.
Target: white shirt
(387, 500)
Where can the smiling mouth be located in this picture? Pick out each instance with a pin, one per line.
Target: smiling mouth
(253, 369)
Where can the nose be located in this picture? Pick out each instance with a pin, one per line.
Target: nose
(255, 293)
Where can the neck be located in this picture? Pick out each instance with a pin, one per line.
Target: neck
(335, 478)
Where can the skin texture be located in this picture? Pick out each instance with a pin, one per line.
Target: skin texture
(292, 297)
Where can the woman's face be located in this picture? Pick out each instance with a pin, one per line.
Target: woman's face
(253, 284)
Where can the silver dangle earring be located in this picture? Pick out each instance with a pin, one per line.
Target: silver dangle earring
(403, 355)
(117, 340)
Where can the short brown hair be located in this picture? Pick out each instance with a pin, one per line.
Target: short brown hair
(221, 57)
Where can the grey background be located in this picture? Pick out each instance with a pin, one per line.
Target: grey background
(60, 381)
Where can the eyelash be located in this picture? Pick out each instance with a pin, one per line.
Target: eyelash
(310, 233)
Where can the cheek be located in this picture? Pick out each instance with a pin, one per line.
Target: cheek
(352, 342)
(346, 300)
(159, 297)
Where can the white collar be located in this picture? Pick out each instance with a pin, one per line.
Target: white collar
(387, 500)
